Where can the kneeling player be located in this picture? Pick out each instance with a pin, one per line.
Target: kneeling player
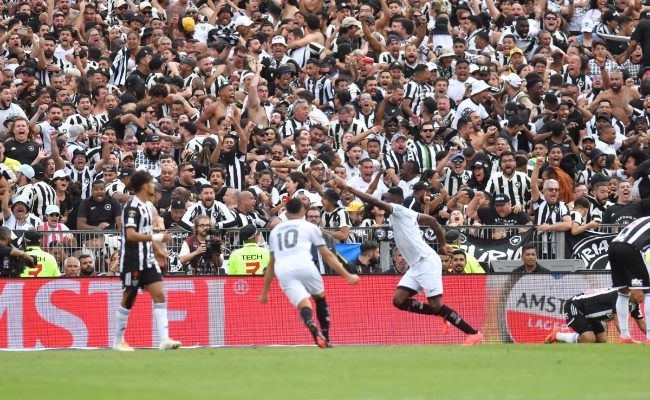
(586, 312)
(290, 245)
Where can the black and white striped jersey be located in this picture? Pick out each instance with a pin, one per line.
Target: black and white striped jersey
(453, 181)
(119, 69)
(321, 88)
(78, 119)
(387, 58)
(413, 91)
(550, 214)
(43, 195)
(600, 304)
(367, 120)
(85, 177)
(137, 256)
(586, 175)
(637, 233)
(582, 81)
(423, 154)
(115, 187)
(394, 160)
(218, 214)
(44, 76)
(25, 190)
(337, 131)
(517, 187)
(335, 219)
(235, 163)
(240, 219)
(291, 126)
(7, 172)
(187, 82)
(195, 144)
(97, 122)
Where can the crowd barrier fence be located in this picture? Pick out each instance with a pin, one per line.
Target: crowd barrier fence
(224, 311)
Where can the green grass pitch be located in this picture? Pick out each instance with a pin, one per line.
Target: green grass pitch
(559, 371)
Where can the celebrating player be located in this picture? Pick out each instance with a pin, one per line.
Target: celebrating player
(290, 244)
(138, 265)
(425, 270)
(630, 269)
(585, 312)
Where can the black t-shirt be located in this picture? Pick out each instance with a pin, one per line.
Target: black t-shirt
(641, 35)
(626, 213)
(96, 213)
(218, 196)
(192, 188)
(489, 215)
(128, 97)
(169, 222)
(641, 172)
(356, 267)
(26, 152)
(166, 200)
(538, 269)
(412, 204)
(393, 110)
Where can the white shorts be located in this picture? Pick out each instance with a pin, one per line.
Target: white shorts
(425, 274)
(300, 284)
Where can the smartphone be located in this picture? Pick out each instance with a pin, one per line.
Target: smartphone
(22, 31)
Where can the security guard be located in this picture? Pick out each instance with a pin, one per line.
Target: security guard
(47, 266)
(250, 259)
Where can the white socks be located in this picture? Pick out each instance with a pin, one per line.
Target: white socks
(571, 337)
(646, 310)
(160, 311)
(122, 319)
(623, 313)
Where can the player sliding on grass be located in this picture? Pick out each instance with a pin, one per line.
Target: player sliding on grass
(138, 265)
(290, 245)
(425, 267)
(585, 312)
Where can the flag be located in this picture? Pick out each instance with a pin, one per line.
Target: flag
(348, 252)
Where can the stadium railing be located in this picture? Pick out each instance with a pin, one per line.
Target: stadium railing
(225, 311)
(101, 244)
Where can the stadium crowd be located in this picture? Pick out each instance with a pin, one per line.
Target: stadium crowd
(483, 113)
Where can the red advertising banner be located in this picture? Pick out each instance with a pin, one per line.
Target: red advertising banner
(224, 311)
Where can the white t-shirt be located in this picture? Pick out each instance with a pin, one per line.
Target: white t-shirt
(407, 234)
(465, 108)
(290, 243)
(609, 148)
(456, 88)
(407, 187)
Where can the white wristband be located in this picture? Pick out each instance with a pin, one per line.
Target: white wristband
(157, 237)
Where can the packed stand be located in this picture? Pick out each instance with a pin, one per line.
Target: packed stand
(483, 113)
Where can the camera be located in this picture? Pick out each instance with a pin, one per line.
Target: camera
(13, 267)
(212, 248)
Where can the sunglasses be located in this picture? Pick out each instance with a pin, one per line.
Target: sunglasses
(427, 130)
(282, 108)
(122, 8)
(550, 19)
(189, 170)
(287, 73)
(458, 161)
(146, 13)
(328, 112)
(552, 190)
(131, 143)
(391, 126)
(438, 138)
(463, 18)
(56, 215)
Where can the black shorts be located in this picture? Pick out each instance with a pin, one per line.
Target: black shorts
(577, 321)
(629, 267)
(140, 279)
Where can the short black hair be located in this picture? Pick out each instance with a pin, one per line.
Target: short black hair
(139, 179)
(459, 252)
(294, 206)
(368, 246)
(528, 246)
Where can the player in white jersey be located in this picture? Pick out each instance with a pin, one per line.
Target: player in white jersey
(290, 245)
(425, 267)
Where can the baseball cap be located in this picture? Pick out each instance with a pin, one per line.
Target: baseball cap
(52, 208)
(178, 204)
(350, 21)
(644, 14)
(458, 155)
(452, 236)
(127, 155)
(21, 199)
(603, 116)
(145, 4)
(512, 79)
(152, 138)
(33, 236)
(421, 186)
(248, 232)
(501, 199)
(432, 66)
(60, 174)
(481, 164)
(395, 64)
(484, 69)
(391, 39)
(133, 82)
(189, 61)
(137, 17)
(175, 80)
(26, 170)
(126, 172)
(516, 50)
(331, 195)
(473, 68)
(188, 24)
(279, 39)
(110, 167)
(610, 16)
(355, 206)
(39, 171)
(587, 25)
(341, 6)
(263, 150)
(243, 20)
(589, 137)
(396, 136)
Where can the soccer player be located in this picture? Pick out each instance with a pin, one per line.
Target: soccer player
(585, 313)
(630, 270)
(138, 265)
(425, 271)
(290, 245)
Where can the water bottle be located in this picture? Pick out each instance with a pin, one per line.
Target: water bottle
(228, 111)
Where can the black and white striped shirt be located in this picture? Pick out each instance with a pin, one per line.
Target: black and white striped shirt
(337, 131)
(187, 82)
(551, 214)
(7, 172)
(218, 213)
(387, 58)
(291, 126)
(137, 256)
(413, 91)
(336, 219)
(393, 160)
(424, 155)
(453, 181)
(240, 219)
(119, 68)
(367, 120)
(115, 187)
(43, 195)
(25, 190)
(235, 163)
(582, 81)
(78, 119)
(44, 76)
(636, 233)
(85, 177)
(586, 175)
(321, 88)
(517, 187)
(97, 122)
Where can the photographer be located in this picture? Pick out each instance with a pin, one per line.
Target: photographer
(8, 251)
(46, 265)
(250, 259)
(202, 251)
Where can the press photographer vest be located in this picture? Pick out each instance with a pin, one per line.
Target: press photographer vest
(194, 243)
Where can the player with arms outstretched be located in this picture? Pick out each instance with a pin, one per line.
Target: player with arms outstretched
(290, 245)
(425, 271)
(138, 265)
(586, 312)
(630, 270)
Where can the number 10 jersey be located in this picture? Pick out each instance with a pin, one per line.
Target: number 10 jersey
(290, 243)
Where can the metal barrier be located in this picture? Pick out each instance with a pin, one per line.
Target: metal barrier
(100, 245)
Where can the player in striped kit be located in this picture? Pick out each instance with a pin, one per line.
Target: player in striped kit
(138, 265)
